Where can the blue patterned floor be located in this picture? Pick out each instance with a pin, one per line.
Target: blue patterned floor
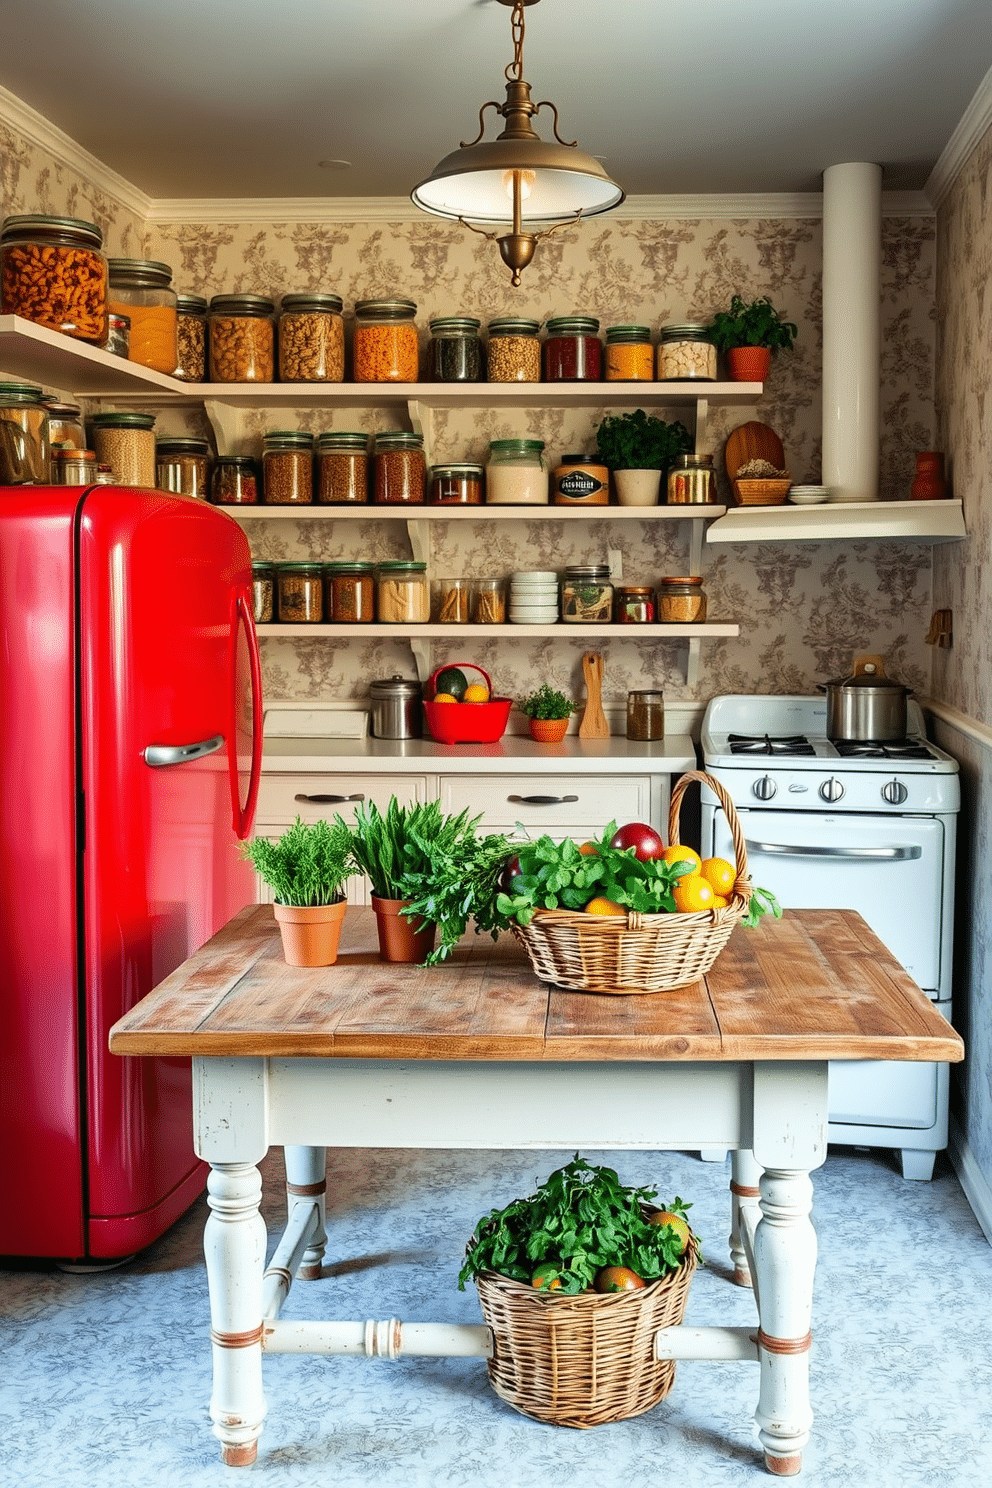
(104, 1380)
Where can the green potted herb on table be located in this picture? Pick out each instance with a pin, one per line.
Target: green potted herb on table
(547, 711)
(306, 868)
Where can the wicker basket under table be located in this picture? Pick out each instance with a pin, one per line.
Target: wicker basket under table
(631, 953)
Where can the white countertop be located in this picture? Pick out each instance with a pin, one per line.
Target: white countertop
(513, 754)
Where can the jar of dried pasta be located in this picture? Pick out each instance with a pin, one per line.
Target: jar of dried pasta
(342, 468)
(234, 481)
(399, 468)
(241, 338)
(488, 602)
(53, 272)
(126, 442)
(287, 468)
(191, 335)
(349, 593)
(300, 593)
(629, 354)
(686, 353)
(402, 594)
(311, 338)
(183, 466)
(450, 601)
(514, 350)
(142, 290)
(263, 592)
(385, 346)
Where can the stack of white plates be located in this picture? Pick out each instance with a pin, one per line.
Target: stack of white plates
(808, 495)
(534, 597)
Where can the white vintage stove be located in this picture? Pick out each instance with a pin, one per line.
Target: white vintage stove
(859, 826)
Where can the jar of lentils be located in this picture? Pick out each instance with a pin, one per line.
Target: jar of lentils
(142, 290)
(514, 350)
(53, 272)
(126, 442)
(191, 336)
(300, 593)
(402, 594)
(311, 338)
(455, 349)
(241, 338)
(385, 347)
(349, 593)
(234, 481)
(183, 466)
(456, 485)
(629, 354)
(263, 592)
(287, 468)
(587, 594)
(685, 353)
(342, 468)
(399, 468)
(572, 350)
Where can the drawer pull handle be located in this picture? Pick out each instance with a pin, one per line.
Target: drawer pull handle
(541, 800)
(328, 800)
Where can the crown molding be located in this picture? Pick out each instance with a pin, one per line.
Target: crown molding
(974, 123)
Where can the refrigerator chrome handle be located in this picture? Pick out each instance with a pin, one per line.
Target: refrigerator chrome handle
(873, 854)
(243, 816)
(159, 755)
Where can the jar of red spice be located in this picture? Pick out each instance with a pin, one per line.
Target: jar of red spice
(399, 468)
(572, 350)
(385, 345)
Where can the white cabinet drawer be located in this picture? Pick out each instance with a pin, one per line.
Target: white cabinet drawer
(548, 802)
(281, 798)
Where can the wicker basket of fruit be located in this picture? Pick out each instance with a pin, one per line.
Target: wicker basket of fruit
(463, 712)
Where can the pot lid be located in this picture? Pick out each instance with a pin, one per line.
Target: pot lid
(869, 673)
(395, 686)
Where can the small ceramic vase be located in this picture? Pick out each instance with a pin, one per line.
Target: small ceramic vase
(928, 482)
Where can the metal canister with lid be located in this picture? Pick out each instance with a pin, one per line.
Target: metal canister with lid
(691, 481)
(397, 708)
(183, 466)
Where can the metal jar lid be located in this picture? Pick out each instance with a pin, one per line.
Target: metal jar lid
(395, 686)
(573, 325)
(513, 325)
(189, 304)
(121, 418)
(391, 309)
(138, 273)
(167, 447)
(34, 222)
(314, 304)
(246, 304)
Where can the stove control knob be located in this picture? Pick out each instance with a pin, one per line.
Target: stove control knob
(831, 790)
(764, 788)
(894, 792)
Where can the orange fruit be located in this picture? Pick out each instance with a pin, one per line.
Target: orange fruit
(602, 906)
(682, 854)
(720, 901)
(445, 697)
(719, 874)
(617, 1279)
(476, 692)
(678, 1224)
(546, 1278)
(693, 893)
(589, 849)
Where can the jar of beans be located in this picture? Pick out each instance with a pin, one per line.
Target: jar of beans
(234, 481)
(456, 485)
(399, 468)
(191, 335)
(681, 601)
(685, 352)
(349, 593)
(311, 338)
(385, 347)
(516, 474)
(183, 466)
(53, 272)
(629, 354)
(572, 350)
(126, 442)
(65, 424)
(287, 468)
(455, 350)
(514, 351)
(402, 594)
(342, 468)
(142, 290)
(300, 593)
(263, 592)
(241, 338)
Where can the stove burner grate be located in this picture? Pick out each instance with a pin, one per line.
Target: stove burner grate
(791, 744)
(896, 749)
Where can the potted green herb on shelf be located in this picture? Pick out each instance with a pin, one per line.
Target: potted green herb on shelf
(548, 712)
(638, 447)
(745, 330)
(306, 868)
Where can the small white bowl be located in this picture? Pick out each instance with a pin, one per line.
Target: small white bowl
(535, 575)
(534, 593)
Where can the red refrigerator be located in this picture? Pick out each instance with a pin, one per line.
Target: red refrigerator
(130, 751)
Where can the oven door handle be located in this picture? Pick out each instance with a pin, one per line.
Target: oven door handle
(874, 854)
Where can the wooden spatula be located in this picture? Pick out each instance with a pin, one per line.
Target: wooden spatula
(594, 724)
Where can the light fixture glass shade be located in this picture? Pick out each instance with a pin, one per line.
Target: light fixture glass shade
(471, 182)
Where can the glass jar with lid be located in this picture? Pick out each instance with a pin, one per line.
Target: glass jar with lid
(686, 353)
(455, 349)
(634, 604)
(126, 442)
(580, 481)
(681, 601)
(183, 466)
(53, 272)
(241, 338)
(691, 481)
(73, 467)
(65, 424)
(645, 715)
(311, 338)
(572, 349)
(191, 336)
(450, 600)
(349, 593)
(399, 468)
(287, 468)
(457, 485)
(234, 481)
(342, 468)
(488, 602)
(587, 594)
(385, 347)
(514, 350)
(142, 290)
(263, 592)
(629, 354)
(402, 594)
(516, 474)
(299, 593)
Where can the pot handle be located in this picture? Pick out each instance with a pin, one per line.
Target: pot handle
(870, 665)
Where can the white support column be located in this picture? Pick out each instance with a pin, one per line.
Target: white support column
(784, 1263)
(306, 1179)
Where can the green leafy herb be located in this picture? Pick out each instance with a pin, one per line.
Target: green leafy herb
(547, 703)
(308, 864)
(640, 441)
(754, 324)
(763, 902)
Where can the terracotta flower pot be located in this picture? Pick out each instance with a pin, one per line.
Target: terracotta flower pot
(310, 932)
(748, 363)
(547, 730)
(399, 939)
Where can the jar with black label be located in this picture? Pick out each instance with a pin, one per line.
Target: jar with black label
(300, 593)
(53, 272)
(263, 592)
(385, 347)
(287, 468)
(234, 481)
(580, 481)
(191, 337)
(342, 468)
(399, 468)
(311, 338)
(241, 338)
(514, 350)
(634, 604)
(183, 466)
(685, 353)
(456, 485)
(142, 290)
(349, 593)
(573, 351)
(645, 715)
(455, 350)
(587, 594)
(629, 354)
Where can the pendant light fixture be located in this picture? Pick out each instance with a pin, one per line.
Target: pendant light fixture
(517, 175)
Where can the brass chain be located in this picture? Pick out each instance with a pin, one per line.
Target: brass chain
(515, 70)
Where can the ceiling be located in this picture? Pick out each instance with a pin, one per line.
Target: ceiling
(238, 98)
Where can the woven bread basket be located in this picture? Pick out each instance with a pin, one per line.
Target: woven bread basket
(636, 953)
(761, 492)
(584, 1360)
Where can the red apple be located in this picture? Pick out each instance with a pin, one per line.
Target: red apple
(645, 841)
(511, 870)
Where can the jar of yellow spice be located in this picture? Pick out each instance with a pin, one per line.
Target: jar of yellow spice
(142, 290)
(681, 601)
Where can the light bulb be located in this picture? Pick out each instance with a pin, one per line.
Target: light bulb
(527, 179)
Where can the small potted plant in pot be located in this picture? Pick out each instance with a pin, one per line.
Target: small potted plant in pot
(548, 712)
(638, 447)
(306, 868)
(748, 334)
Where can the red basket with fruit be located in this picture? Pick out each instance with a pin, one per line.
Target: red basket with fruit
(628, 952)
(463, 712)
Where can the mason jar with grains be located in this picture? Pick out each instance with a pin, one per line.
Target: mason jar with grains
(53, 272)
(183, 466)
(514, 350)
(287, 468)
(241, 338)
(142, 290)
(342, 468)
(311, 338)
(299, 593)
(126, 442)
(399, 468)
(385, 347)
(191, 335)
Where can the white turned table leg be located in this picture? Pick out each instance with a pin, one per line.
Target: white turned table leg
(234, 1249)
(785, 1260)
(744, 1176)
(306, 1178)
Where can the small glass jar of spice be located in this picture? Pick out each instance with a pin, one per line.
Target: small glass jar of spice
(342, 468)
(234, 481)
(399, 468)
(191, 337)
(634, 604)
(645, 715)
(455, 350)
(572, 350)
(287, 467)
(456, 485)
(263, 592)
(681, 601)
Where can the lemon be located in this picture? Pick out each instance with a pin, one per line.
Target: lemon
(444, 697)
(476, 692)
